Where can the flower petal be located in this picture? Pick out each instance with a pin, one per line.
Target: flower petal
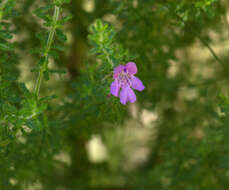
(117, 70)
(124, 95)
(114, 89)
(137, 83)
(131, 95)
(131, 67)
(127, 94)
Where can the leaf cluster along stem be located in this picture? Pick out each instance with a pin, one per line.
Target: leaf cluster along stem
(47, 49)
(110, 61)
(2, 6)
(108, 58)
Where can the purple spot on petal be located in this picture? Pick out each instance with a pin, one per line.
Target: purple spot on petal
(118, 70)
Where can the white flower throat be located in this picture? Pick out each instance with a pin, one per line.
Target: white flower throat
(124, 78)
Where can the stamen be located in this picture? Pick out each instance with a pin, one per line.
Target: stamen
(124, 78)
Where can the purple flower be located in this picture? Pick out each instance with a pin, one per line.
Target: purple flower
(124, 78)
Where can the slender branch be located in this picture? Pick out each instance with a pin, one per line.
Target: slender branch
(108, 57)
(47, 49)
(105, 52)
(110, 61)
(201, 39)
(211, 51)
(2, 6)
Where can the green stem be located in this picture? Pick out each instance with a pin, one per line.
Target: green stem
(211, 50)
(108, 57)
(2, 6)
(47, 49)
(110, 61)
(201, 39)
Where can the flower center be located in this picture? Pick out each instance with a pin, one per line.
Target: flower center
(124, 78)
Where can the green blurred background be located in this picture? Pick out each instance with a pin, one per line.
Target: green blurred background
(174, 137)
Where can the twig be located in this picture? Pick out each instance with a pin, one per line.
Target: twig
(2, 6)
(201, 39)
(47, 49)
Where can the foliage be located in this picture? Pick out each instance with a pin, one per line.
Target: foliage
(50, 116)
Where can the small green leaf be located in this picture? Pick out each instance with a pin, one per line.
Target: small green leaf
(5, 142)
(6, 47)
